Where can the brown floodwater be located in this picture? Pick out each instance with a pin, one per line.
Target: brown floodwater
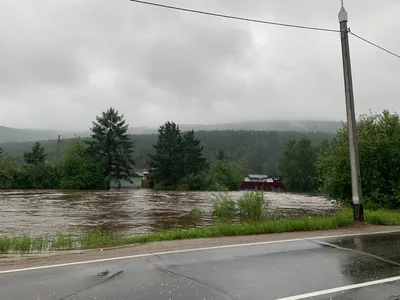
(128, 211)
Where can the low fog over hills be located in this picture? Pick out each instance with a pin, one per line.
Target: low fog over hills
(21, 135)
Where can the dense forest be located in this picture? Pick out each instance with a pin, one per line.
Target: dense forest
(257, 151)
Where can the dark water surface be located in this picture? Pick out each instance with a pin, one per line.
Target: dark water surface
(38, 212)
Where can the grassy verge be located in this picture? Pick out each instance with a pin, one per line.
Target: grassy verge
(383, 217)
(26, 244)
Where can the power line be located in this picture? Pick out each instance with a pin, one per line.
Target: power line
(373, 44)
(235, 17)
(260, 21)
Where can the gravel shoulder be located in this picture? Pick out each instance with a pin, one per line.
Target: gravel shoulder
(8, 262)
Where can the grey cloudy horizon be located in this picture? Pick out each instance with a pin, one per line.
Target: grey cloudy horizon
(64, 62)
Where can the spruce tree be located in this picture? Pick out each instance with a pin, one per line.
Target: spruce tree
(221, 155)
(36, 156)
(193, 159)
(111, 145)
(167, 161)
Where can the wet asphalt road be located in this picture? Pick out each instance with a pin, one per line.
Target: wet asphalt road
(266, 271)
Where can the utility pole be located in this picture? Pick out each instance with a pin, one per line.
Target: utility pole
(58, 142)
(358, 210)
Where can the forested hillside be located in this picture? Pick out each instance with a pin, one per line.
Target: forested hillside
(258, 151)
(8, 135)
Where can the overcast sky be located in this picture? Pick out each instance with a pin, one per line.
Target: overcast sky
(63, 62)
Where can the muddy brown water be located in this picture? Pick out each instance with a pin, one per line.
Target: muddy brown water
(128, 211)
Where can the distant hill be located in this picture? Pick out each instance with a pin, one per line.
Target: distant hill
(8, 135)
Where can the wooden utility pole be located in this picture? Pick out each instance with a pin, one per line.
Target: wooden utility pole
(358, 210)
(58, 142)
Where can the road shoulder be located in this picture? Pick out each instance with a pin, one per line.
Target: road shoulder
(8, 262)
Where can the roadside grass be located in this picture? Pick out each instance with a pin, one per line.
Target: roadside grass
(383, 217)
(343, 218)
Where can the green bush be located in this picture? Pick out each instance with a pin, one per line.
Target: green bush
(28, 176)
(251, 205)
(79, 170)
(195, 212)
(223, 206)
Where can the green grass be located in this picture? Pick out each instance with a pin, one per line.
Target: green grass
(26, 244)
(62, 242)
(383, 217)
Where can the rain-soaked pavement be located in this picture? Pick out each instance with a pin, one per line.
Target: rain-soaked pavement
(360, 267)
(128, 211)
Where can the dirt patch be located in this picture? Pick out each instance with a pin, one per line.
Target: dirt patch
(34, 260)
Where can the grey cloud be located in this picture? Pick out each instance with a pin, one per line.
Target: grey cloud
(63, 62)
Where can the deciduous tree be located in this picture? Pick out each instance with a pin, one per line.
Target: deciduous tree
(379, 144)
(79, 170)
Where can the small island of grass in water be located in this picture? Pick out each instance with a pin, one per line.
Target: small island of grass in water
(251, 210)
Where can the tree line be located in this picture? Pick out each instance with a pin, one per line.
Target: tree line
(309, 163)
(108, 155)
(326, 167)
(92, 164)
(257, 151)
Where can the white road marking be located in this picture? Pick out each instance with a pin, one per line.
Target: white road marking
(190, 250)
(341, 289)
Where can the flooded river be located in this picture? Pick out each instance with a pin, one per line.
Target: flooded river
(127, 211)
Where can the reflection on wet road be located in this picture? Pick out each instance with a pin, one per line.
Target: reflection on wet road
(125, 211)
(279, 270)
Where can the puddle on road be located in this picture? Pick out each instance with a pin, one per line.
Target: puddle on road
(127, 211)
